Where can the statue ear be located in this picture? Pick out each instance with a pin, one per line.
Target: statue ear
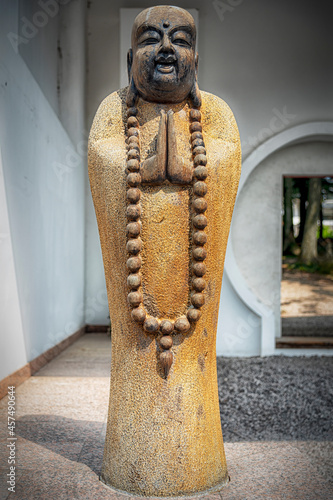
(132, 93)
(195, 95)
(129, 63)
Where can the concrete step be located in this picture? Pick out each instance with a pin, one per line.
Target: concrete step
(310, 342)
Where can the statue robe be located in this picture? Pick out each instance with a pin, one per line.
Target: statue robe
(163, 435)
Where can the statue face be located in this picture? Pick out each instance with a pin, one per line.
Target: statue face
(164, 59)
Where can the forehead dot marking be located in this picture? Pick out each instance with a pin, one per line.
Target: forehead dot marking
(166, 24)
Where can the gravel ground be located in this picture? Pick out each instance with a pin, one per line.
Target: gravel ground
(276, 398)
(280, 398)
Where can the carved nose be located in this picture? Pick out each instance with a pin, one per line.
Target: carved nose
(166, 46)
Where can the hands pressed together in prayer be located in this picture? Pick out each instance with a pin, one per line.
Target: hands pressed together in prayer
(166, 163)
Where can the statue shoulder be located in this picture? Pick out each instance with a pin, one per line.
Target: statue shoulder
(109, 120)
(218, 118)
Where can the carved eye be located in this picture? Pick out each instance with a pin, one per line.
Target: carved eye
(181, 42)
(150, 41)
(149, 38)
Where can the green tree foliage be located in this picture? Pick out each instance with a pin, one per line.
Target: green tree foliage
(308, 195)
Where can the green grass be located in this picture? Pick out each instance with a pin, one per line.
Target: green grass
(327, 232)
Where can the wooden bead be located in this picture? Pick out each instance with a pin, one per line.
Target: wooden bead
(198, 300)
(166, 342)
(193, 315)
(133, 141)
(199, 269)
(199, 150)
(132, 132)
(132, 122)
(199, 284)
(199, 238)
(134, 281)
(199, 188)
(138, 314)
(151, 325)
(133, 154)
(182, 325)
(199, 253)
(134, 179)
(200, 221)
(195, 127)
(134, 299)
(195, 115)
(134, 146)
(166, 327)
(200, 205)
(200, 160)
(132, 111)
(134, 246)
(133, 212)
(196, 135)
(200, 172)
(197, 142)
(133, 195)
(133, 165)
(166, 358)
(133, 264)
(133, 229)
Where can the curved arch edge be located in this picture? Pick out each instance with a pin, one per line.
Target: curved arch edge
(294, 135)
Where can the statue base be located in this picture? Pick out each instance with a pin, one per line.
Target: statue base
(214, 489)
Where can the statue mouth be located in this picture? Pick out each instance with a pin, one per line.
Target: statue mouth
(165, 67)
(166, 64)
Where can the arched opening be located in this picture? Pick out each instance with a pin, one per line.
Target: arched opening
(307, 262)
(254, 261)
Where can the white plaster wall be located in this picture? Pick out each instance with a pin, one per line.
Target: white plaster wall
(44, 179)
(55, 56)
(259, 56)
(268, 60)
(12, 345)
(239, 329)
(257, 225)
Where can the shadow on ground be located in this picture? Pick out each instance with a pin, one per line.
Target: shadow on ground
(261, 399)
(77, 440)
(276, 418)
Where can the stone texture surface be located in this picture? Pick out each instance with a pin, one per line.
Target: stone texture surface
(62, 422)
(172, 426)
(276, 398)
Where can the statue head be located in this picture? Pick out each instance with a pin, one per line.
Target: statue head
(162, 63)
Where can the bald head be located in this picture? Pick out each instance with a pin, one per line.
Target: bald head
(162, 14)
(162, 61)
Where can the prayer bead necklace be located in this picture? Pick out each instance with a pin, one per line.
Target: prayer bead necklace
(151, 324)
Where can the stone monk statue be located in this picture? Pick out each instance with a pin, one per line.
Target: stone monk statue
(164, 166)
